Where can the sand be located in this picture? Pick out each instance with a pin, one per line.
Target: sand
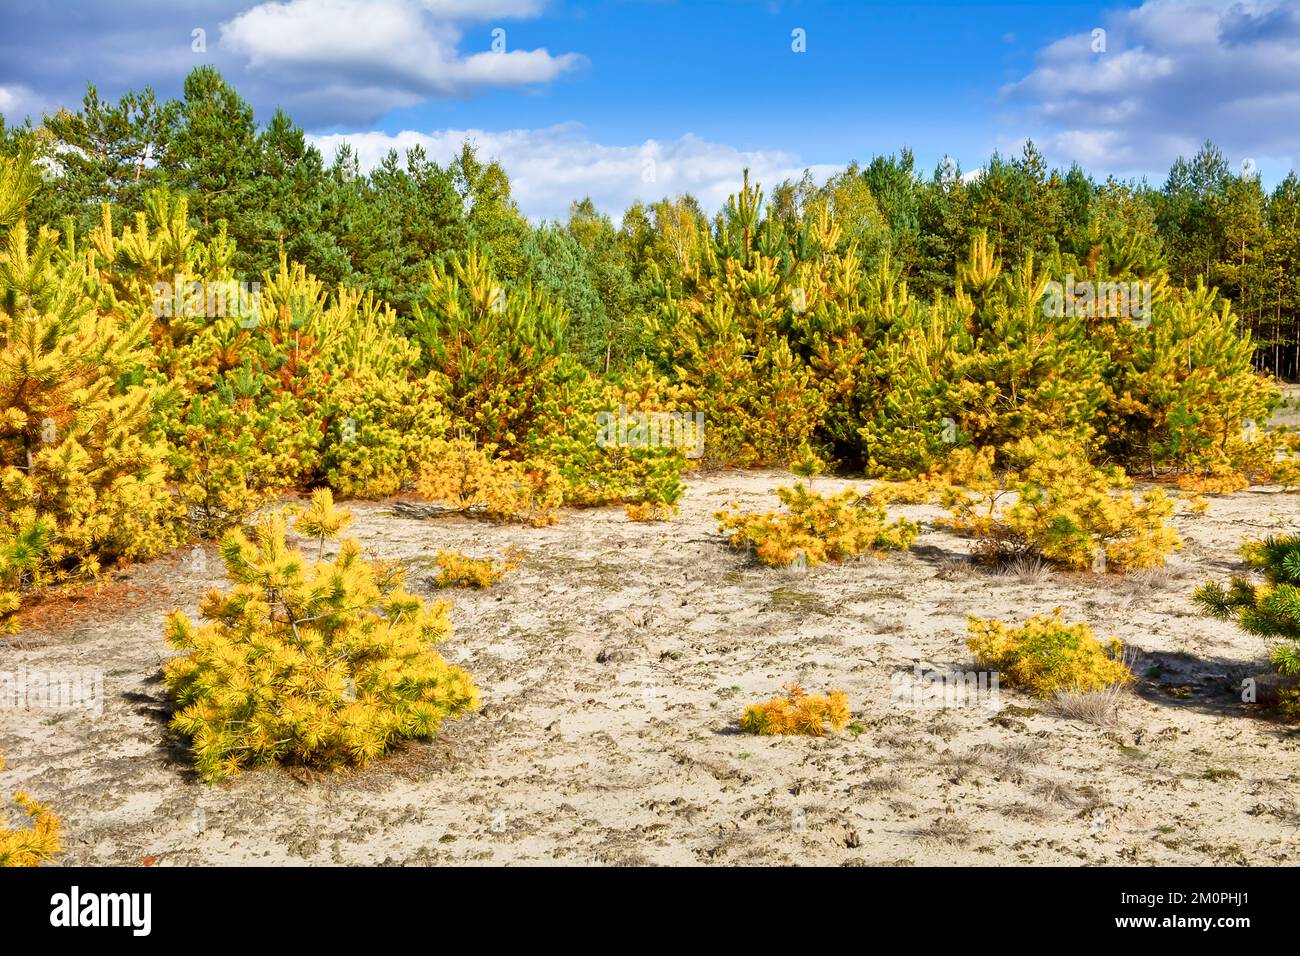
(614, 664)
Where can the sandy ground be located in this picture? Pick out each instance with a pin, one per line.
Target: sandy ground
(614, 664)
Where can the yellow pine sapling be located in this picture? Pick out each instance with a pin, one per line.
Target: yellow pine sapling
(32, 845)
(1051, 502)
(807, 463)
(458, 570)
(1045, 655)
(467, 478)
(321, 520)
(661, 491)
(816, 528)
(797, 713)
(317, 662)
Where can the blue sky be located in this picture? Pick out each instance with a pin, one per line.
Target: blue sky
(875, 75)
(641, 98)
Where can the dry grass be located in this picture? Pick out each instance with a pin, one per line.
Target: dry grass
(1026, 569)
(890, 782)
(1058, 792)
(1026, 812)
(958, 766)
(1149, 579)
(950, 831)
(1097, 707)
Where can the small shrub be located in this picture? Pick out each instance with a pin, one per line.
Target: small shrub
(797, 713)
(1288, 704)
(648, 511)
(604, 459)
(1054, 504)
(324, 662)
(469, 479)
(817, 528)
(1045, 655)
(661, 489)
(235, 450)
(383, 429)
(1270, 610)
(32, 845)
(457, 570)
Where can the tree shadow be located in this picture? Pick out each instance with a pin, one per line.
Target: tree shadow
(175, 750)
(1207, 685)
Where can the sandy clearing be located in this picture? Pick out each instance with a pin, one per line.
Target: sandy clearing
(613, 665)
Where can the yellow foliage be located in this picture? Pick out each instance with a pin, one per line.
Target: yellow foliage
(797, 713)
(322, 662)
(321, 519)
(1285, 469)
(649, 511)
(458, 570)
(1045, 655)
(817, 528)
(32, 845)
(1213, 484)
(1055, 504)
(1288, 704)
(469, 479)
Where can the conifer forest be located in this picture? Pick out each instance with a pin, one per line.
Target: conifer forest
(518, 494)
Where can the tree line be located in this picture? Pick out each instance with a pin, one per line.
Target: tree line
(272, 192)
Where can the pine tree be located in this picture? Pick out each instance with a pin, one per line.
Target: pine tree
(105, 153)
(81, 480)
(726, 338)
(324, 662)
(214, 157)
(1270, 610)
(500, 351)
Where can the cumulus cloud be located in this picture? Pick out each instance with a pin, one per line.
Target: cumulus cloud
(374, 55)
(551, 167)
(1172, 75)
(328, 62)
(17, 102)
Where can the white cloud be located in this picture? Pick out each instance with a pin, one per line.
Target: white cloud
(549, 168)
(17, 102)
(1172, 75)
(375, 55)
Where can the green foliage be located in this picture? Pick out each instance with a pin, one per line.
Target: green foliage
(1270, 609)
(413, 328)
(601, 457)
(500, 352)
(1186, 393)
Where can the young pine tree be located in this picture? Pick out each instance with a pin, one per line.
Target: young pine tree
(325, 662)
(82, 483)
